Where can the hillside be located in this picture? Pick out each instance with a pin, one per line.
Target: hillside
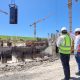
(4, 37)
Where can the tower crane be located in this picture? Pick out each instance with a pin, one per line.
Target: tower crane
(70, 14)
(38, 21)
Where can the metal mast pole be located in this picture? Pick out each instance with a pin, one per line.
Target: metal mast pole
(70, 14)
(34, 30)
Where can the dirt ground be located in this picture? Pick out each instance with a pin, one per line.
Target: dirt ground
(37, 71)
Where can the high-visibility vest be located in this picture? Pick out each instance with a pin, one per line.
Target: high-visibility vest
(65, 46)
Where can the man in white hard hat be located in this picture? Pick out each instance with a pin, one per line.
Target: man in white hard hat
(77, 48)
(64, 45)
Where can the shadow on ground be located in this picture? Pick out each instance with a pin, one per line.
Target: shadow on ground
(74, 78)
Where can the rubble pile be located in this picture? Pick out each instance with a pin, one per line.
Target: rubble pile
(24, 65)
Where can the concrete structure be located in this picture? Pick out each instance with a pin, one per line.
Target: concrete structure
(19, 52)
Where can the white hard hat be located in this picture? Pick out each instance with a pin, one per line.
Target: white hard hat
(77, 29)
(63, 28)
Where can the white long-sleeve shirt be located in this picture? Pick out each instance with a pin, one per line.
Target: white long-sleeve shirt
(76, 43)
(60, 40)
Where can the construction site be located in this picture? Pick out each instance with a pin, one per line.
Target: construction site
(36, 58)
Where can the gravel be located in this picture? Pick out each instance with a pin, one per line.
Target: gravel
(37, 70)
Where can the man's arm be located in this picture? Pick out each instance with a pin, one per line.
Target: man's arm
(59, 40)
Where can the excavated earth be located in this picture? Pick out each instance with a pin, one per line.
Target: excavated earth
(37, 70)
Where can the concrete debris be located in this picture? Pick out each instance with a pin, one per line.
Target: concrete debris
(22, 59)
(37, 70)
(23, 65)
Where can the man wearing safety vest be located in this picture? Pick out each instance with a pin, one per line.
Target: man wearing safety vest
(77, 48)
(64, 45)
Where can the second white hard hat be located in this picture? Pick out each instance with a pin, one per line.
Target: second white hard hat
(63, 28)
(77, 29)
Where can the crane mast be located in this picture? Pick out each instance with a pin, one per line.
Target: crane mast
(34, 30)
(70, 14)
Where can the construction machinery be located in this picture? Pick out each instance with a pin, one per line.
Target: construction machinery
(34, 24)
(13, 12)
(3, 12)
(70, 14)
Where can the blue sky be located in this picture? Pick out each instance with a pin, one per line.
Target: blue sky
(32, 10)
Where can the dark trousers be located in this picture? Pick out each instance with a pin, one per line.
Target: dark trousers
(65, 63)
(78, 60)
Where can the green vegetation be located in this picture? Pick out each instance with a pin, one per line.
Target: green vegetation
(16, 38)
(19, 38)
